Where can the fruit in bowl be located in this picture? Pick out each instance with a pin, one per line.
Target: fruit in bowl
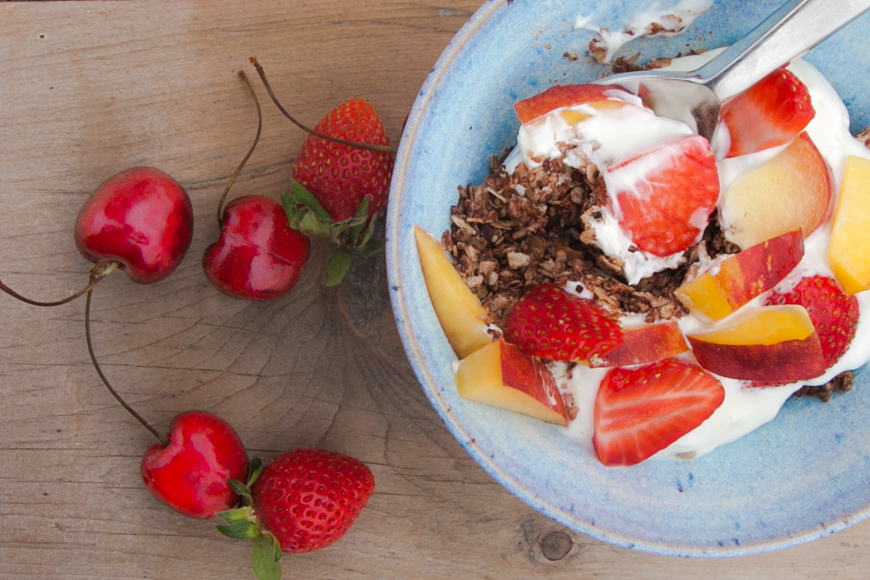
(508, 234)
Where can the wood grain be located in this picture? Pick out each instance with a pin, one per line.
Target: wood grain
(90, 88)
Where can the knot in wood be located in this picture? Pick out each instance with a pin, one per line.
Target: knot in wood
(556, 545)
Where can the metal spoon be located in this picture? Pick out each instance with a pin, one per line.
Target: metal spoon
(695, 97)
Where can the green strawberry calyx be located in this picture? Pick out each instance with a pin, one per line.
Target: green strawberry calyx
(241, 523)
(305, 214)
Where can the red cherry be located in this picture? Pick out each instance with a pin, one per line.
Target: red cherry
(141, 218)
(257, 256)
(190, 474)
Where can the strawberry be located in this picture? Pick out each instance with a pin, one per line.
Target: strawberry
(340, 184)
(552, 324)
(833, 313)
(341, 176)
(641, 410)
(771, 112)
(303, 500)
(663, 197)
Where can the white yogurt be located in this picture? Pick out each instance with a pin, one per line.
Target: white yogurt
(657, 19)
(744, 408)
(600, 139)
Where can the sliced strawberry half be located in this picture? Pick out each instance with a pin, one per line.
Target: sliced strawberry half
(641, 410)
(552, 324)
(664, 196)
(771, 112)
(833, 313)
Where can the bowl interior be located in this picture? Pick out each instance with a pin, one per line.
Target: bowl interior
(800, 477)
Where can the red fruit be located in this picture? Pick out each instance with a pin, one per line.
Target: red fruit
(639, 411)
(340, 176)
(141, 218)
(309, 498)
(664, 196)
(552, 324)
(190, 474)
(257, 256)
(833, 313)
(771, 112)
(559, 96)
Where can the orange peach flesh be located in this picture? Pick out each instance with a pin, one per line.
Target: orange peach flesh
(501, 375)
(459, 311)
(849, 251)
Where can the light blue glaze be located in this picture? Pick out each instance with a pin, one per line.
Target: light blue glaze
(800, 477)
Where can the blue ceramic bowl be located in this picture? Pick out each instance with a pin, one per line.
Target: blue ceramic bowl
(800, 477)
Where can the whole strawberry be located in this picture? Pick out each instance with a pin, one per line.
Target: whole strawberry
(833, 313)
(341, 176)
(340, 184)
(552, 324)
(308, 498)
(304, 500)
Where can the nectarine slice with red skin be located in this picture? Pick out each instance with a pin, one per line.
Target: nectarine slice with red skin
(770, 343)
(501, 375)
(561, 96)
(743, 276)
(644, 344)
(791, 191)
(849, 251)
(462, 316)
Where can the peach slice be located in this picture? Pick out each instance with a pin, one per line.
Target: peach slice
(644, 344)
(791, 191)
(459, 311)
(849, 251)
(742, 277)
(501, 375)
(770, 343)
(561, 96)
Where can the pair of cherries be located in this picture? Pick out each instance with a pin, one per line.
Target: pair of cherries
(143, 219)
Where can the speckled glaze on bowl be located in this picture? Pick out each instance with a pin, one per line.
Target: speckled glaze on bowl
(802, 476)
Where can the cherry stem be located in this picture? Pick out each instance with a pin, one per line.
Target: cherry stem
(238, 170)
(95, 279)
(106, 381)
(262, 73)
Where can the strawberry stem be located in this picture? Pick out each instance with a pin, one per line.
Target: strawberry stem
(103, 377)
(238, 170)
(94, 280)
(262, 73)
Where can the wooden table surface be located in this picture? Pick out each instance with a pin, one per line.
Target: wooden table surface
(90, 88)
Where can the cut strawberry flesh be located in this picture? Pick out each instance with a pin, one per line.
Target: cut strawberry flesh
(664, 196)
(640, 411)
(772, 112)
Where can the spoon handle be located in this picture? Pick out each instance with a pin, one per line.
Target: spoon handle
(792, 30)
